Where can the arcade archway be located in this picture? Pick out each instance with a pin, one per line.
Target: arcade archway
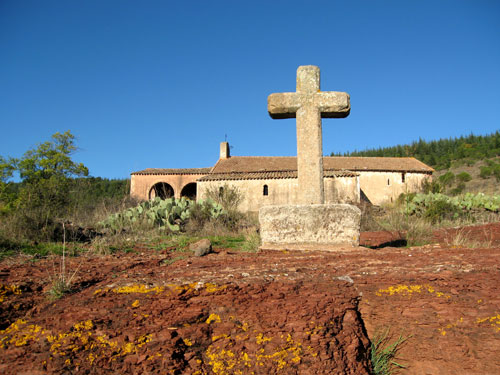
(161, 190)
(189, 191)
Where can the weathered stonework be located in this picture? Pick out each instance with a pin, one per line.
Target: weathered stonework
(317, 226)
(379, 187)
(311, 222)
(308, 104)
(280, 191)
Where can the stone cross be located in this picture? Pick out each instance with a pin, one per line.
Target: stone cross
(308, 104)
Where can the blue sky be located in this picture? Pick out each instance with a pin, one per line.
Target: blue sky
(161, 83)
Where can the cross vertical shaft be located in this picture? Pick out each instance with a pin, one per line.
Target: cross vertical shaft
(309, 157)
(308, 105)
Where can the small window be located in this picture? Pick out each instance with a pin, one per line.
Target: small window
(265, 190)
(221, 191)
(403, 177)
(388, 182)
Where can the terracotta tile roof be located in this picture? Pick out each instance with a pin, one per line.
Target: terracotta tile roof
(269, 175)
(174, 171)
(271, 167)
(252, 164)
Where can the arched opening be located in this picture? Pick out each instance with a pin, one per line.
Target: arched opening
(265, 190)
(161, 190)
(189, 191)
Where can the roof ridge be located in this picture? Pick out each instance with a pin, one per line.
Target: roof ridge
(258, 156)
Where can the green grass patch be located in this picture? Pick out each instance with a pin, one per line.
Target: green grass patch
(383, 353)
(39, 250)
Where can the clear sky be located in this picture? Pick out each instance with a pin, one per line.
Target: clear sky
(158, 84)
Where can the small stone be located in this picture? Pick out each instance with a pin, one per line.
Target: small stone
(201, 247)
(244, 274)
(345, 278)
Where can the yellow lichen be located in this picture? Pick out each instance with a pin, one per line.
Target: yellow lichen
(212, 288)
(494, 321)
(261, 339)
(213, 318)
(6, 290)
(79, 338)
(409, 290)
(140, 288)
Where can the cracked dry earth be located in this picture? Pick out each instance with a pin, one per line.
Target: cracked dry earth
(272, 312)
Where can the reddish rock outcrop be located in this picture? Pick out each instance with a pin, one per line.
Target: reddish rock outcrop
(269, 312)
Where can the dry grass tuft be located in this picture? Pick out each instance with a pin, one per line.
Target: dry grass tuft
(461, 239)
(417, 231)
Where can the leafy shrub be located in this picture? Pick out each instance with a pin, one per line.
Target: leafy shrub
(458, 189)
(489, 170)
(485, 171)
(203, 214)
(447, 179)
(496, 172)
(431, 187)
(463, 177)
(229, 197)
(440, 210)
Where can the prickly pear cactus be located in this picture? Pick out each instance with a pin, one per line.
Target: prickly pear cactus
(166, 214)
(467, 202)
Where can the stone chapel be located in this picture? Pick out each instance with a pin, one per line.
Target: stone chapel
(272, 180)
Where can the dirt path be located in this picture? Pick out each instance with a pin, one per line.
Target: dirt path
(270, 312)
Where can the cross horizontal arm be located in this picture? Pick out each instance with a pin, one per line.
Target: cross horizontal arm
(333, 104)
(283, 105)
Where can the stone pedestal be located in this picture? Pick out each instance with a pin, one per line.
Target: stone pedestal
(309, 227)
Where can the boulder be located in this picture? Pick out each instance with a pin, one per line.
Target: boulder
(315, 226)
(201, 247)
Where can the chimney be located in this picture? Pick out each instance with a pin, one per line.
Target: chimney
(224, 150)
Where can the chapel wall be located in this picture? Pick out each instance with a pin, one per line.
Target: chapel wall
(342, 190)
(385, 187)
(282, 191)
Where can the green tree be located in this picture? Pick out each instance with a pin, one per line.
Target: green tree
(44, 195)
(7, 197)
(51, 158)
(447, 179)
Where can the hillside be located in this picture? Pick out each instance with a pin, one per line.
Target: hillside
(442, 153)
(487, 184)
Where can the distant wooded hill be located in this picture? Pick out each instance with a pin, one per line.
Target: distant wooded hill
(440, 154)
(93, 189)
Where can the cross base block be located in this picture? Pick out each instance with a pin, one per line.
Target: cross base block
(309, 227)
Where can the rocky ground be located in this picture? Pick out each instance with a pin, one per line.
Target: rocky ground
(273, 312)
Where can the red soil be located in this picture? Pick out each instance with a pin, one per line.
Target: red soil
(270, 312)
